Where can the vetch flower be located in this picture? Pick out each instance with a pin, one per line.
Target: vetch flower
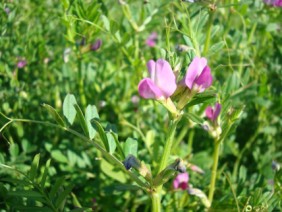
(22, 63)
(211, 113)
(181, 181)
(152, 39)
(96, 45)
(198, 76)
(162, 81)
(275, 3)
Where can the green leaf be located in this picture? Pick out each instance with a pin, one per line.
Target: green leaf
(14, 150)
(120, 150)
(54, 114)
(63, 195)
(130, 147)
(69, 110)
(91, 113)
(56, 187)
(45, 173)
(207, 98)
(110, 170)
(106, 22)
(193, 117)
(101, 132)
(216, 48)
(111, 142)
(34, 167)
(31, 208)
(81, 119)
(232, 83)
(59, 156)
(25, 193)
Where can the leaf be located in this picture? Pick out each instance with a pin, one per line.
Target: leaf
(81, 119)
(193, 117)
(208, 98)
(56, 187)
(25, 193)
(120, 150)
(45, 173)
(59, 156)
(14, 150)
(91, 113)
(63, 195)
(111, 143)
(34, 167)
(216, 48)
(101, 132)
(109, 170)
(199, 193)
(150, 138)
(130, 147)
(54, 114)
(69, 110)
(106, 22)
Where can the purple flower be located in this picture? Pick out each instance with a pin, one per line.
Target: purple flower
(276, 3)
(152, 39)
(181, 181)
(162, 81)
(7, 10)
(96, 45)
(211, 113)
(22, 63)
(198, 75)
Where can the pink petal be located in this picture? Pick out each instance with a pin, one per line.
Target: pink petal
(197, 169)
(165, 78)
(181, 181)
(148, 90)
(150, 43)
(183, 185)
(151, 66)
(194, 70)
(209, 112)
(205, 79)
(151, 40)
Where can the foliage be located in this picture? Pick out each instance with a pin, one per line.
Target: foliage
(72, 115)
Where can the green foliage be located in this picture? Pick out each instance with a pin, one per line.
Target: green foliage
(89, 122)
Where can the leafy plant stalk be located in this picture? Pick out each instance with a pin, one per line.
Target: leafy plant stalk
(107, 155)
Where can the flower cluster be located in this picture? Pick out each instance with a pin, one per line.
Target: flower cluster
(162, 83)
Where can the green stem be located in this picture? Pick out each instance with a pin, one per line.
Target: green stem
(156, 202)
(168, 145)
(207, 42)
(81, 83)
(214, 170)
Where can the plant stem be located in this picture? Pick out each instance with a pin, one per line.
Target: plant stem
(168, 145)
(207, 42)
(156, 202)
(214, 170)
